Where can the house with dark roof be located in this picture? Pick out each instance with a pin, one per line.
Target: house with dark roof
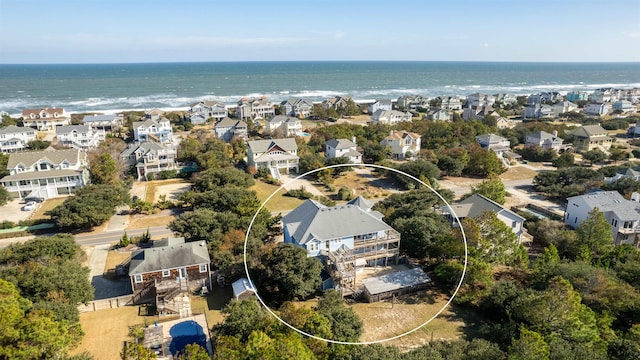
(623, 215)
(342, 148)
(625, 173)
(167, 269)
(81, 137)
(476, 204)
(15, 138)
(149, 158)
(227, 129)
(297, 107)
(275, 154)
(45, 173)
(345, 237)
(591, 137)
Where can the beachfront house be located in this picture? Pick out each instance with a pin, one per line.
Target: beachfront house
(45, 173)
(624, 173)
(345, 237)
(227, 129)
(476, 204)
(15, 138)
(451, 103)
(208, 109)
(255, 108)
(336, 102)
(602, 95)
(538, 111)
(575, 96)
(81, 137)
(167, 269)
(590, 137)
(479, 112)
(149, 158)
(623, 215)
(390, 116)
(103, 122)
(623, 106)
(152, 130)
(412, 102)
(404, 145)
(287, 125)
(44, 119)
(276, 155)
(297, 107)
(379, 105)
(478, 99)
(343, 148)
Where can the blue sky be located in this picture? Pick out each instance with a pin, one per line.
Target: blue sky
(109, 31)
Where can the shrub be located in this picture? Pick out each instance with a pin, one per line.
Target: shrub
(299, 193)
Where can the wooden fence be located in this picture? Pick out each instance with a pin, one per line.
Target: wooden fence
(110, 303)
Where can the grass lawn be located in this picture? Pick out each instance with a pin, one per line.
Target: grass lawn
(47, 205)
(278, 202)
(106, 330)
(115, 257)
(518, 173)
(366, 185)
(212, 304)
(383, 320)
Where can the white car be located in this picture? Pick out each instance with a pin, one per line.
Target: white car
(29, 206)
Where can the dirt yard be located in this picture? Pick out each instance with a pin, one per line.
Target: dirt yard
(170, 188)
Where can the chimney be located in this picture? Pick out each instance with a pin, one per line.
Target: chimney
(555, 133)
(353, 139)
(390, 132)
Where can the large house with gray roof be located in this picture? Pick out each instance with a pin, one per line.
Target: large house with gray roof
(276, 155)
(335, 148)
(546, 141)
(227, 129)
(149, 158)
(15, 138)
(591, 137)
(45, 173)
(345, 237)
(623, 215)
(103, 122)
(152, 130)
(476, 204)
(81, 137)
(298, 107)
(168, 268)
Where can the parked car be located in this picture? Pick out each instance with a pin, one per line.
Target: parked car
(31, 205)
(37, 199)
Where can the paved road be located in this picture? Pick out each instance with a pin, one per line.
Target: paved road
(113, 236)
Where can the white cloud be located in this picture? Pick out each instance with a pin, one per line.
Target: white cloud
(633, 34)
(339, 34)
(485, 45)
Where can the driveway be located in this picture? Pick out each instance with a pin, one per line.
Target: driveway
(12, 211)
(105, 288)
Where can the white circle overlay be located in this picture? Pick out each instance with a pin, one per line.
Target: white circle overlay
(464, 269)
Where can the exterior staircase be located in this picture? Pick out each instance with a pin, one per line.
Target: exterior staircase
(275, 173)
(153, 138)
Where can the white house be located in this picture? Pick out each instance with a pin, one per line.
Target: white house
(438, 115)
(103, 122)
(46, 173)
(623, 106)
(45, 118)
(412, 102)
(622, 214)
(538, 111)
(255, 108)
(208, 109)
(342, 148)
(15, 138)
(227, 129)
(499, 145)
(563, 107)
(346, 237)
(546, 141)
(451, 103)
(149, 158)
(597, 109)
(390, 116)
(379, 105)
(81, 137)
(276, 155)
(476, 204)
(290, 126)
(477, 99)
(403, 144)
(506, 123)
(158, 131)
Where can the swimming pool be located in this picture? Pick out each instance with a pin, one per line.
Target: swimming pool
(185, 333)
(305, 134)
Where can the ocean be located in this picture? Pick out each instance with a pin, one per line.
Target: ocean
(99, 87)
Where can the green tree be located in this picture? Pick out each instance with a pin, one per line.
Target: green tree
(90, 206)
(492, 188)
(104, 170)
(564, 160)
(491, 240)
(193, 352)
(135, 351)
(421, 169)
(221, 177)
(594, 156)
(4, 196)
(595, 235)
(483, 162)
(345, 323)
(286, 273)
(529, 346)
(242, 317)
(38, 144)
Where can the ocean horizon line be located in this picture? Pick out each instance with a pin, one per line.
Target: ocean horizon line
(321, 61)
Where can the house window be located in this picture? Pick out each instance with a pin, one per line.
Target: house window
(137, 279)
(327, 245)
(166, 273)
(203, 268)
(513, 224)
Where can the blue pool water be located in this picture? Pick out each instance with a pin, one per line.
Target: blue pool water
(305, 134)
(185, 333)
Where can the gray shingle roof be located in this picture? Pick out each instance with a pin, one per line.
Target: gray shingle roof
(476, 204)
(313, 220)
(242, 286)
(612, 201)
(227, 122)
(361, 202)
(92, 118)
(67, 129)
(12, 129)
(260, 146)
(169, 257)
(145, 147)
(340, 143)
(54, 156)
(31, 175)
